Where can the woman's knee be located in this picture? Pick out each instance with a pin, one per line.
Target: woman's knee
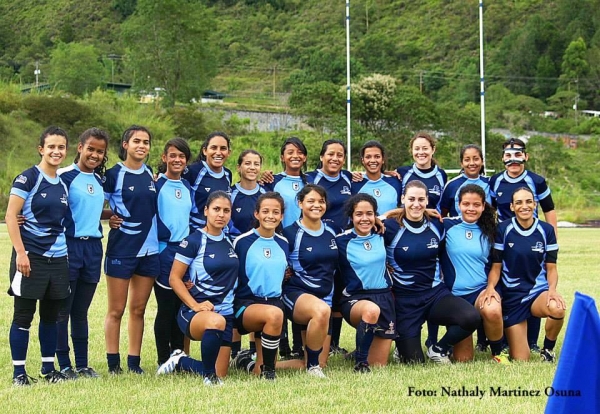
(492, 314)
(371, 313)
(215, 321)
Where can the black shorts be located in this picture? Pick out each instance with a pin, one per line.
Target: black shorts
(48, 279)
(240, 305)
(386, 324)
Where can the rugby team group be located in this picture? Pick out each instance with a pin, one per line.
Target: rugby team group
(281, 257)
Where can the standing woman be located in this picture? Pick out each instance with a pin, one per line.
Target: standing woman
(174, 206)
(525, 253)
(131, 264)
(245, 193)
(314, 259)
(84, 243)
(472, 172)
(387, 190)
(39, 269)
(367, 300)
(413, 244)
(466, 261)
(208, 174)
(263, 258)
(206, 314)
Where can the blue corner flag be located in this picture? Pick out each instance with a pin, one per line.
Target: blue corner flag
(576, 386)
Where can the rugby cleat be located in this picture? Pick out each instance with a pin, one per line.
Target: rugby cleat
(171, 363)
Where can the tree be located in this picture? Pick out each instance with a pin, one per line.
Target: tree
(574, 64)
(169, 45)
(75, 68)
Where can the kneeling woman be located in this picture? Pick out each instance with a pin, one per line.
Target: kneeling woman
(466, 262)
(367, 300)
(207, 311)
(263, 261)
(413, 244)
(307, 295)
(525, 252)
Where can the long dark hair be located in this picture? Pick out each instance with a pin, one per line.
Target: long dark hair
(127, 135)
(181, 145)
(352, 202)
(99, 134)
(201, 156)
(296, 142)
(487, 221)
(327, 144)
(373, 144)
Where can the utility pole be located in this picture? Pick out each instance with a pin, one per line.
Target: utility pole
(37, 73)
(274, 70)
(421, 81)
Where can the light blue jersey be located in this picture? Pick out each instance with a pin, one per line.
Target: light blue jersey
(386, 190)
(450, 200)
(288, 186)
(175, 203)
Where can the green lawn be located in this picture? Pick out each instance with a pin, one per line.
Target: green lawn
(385, 390)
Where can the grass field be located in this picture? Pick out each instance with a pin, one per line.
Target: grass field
(385, 390)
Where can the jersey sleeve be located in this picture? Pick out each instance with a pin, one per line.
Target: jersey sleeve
(186, 251)
(23, 184)
(391, 229)
(109, 183)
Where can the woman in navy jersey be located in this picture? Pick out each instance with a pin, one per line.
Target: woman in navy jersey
(466, 260)
(472, 172)
(386, 189)
(367, 300)
(206, 314)
(245, 193)
(413, 245)
(131, 264)
(174, 206)
(39, 269)
(525, 253)
(263, 261)
(314, 258)
(208, 174)
(84, 243)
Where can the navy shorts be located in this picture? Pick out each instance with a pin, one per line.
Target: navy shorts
(85, 259)
(290, 297)
(521, 312)
(412, 310)
(126, 267)
(185, 316)
(386, 324)
(240, 306)
(48, 278)
(472, 297)
(166, 258)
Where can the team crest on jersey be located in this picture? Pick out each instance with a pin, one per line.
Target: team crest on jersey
(267, 253)
(183, 244)
(90, 188)
(238, 209)
(207, 189)
(21, 179)
(500, 194)
(212, 256)
(469, 234)
(377, 192)
(435, 190)
(367, 245)
(43, 195)
(232, 253)
(309, 249)
(345, 190)
(433, 244)
(151, 186)
(131, 188)
(296, 186)
(63, 200)
(391, 329)
(178, 193)
(405, 248)
(511, 245)
(332, 245)
(539, 247)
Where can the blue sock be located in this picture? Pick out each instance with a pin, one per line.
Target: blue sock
(133, 362)
(114, 360)
(365, 332)
(209, 348)
(19, 341)
(533, 330)
(62, 344)
(79, 322)
(312, 357)
(187, 364)
(47, 336)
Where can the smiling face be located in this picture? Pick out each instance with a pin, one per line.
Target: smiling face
(313, 206)
(249, 169)
(363, 218)
(216, 153)
(293, 158)
(372, 160)
(333, 159)
(523, 205)
(415, 203)
(218, 214)
(422, 152)
(54, 150)
(269, 215)
(175, 161)
(91, 154)
(138, 146)
(471, 162)
(471, 207)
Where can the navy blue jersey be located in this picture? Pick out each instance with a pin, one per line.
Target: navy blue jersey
(86, 201)
(175, 203)
(313, 257)
(288, 186)
(46, 205)
(338, 192)
(262, 264)
(132, 196)
(362, 262)
(243, 204)
(213, 268)
(450, 200)
(414, 254)
(466, 257)
(502, 187)
(523, 255)
(204, 181)
(434, 179)
(387, 191)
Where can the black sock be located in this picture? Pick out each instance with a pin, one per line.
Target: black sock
(336, 330)
(296, 337)
(454, 334)
(270, 344)
(549, 344)
(235, 348)
(252, 346)
(496, 346)
(114, 360)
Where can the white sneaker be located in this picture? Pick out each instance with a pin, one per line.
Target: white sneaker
(316, 371)
(396, 356)
(212, 380)
(437, 357)
(171, 363)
